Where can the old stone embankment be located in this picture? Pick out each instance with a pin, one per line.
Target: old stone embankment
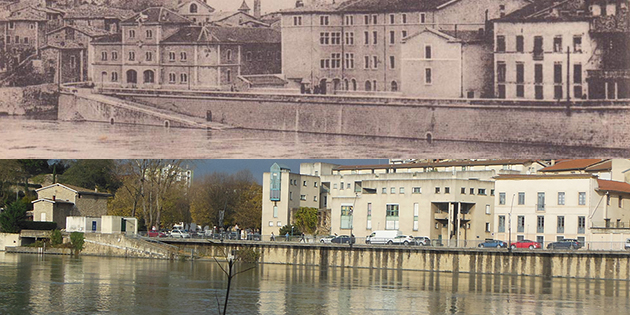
(596, 124)
(37, 101)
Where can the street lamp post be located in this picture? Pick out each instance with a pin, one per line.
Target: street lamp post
(510, 225)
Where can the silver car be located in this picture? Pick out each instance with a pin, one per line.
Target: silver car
(179, 233)
(402, 240)
(326, 239)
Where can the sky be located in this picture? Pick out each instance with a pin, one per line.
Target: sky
(258, 167)
(266, 5)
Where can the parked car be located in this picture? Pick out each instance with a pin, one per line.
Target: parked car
(341, 239)
(526, 244)
(382, 237)
(402, 240)
(627, 245)
(422, 241)
(179, 233)
(326, 239)
(567, 243)
(493, 243)
(154, 233)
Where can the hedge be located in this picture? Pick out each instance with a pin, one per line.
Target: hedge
(38, 225)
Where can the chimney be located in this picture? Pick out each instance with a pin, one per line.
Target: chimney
(54, 197)
(257, 13)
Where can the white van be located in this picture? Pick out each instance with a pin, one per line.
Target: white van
(382, 237)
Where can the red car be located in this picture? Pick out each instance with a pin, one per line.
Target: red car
(526, 244)
(156, 234)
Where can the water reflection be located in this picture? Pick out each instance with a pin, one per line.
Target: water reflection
(102, 140)
(55, 284)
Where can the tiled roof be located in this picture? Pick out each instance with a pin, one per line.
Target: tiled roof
(605, 166)
(465, 36)
(550, 10)
(78, 189)
(157, 15)
(571, 165)
(203, 3)
(87, 30)
(52, 201)
(85, 11)
(312, 9)
(611, 185)
(269, 79)
(544, 176)
(436, 164)
(391, 5)
(28, 14)
(207, 34)
(111, 38)
(66, 45)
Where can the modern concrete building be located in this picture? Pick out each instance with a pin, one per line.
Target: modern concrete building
(55, 202)
(356, 45)
(446, 64)
(547, 208)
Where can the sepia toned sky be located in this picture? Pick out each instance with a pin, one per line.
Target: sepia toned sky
(267, 5)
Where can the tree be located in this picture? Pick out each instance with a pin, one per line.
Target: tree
(306, 219)
(92, 174)
(11, 217)
(34, 167)
(10, 174)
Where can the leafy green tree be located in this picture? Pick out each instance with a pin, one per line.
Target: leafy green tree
(287, 229)
(11, 217)
(306, 219)
(77, 240)
(10, 174)
(56, 238)
(92, 174)
(34, 167)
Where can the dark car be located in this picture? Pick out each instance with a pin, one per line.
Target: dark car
(566, 243)
(493, 243)
(341, 239)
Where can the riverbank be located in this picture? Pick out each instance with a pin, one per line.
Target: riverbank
(36, 101)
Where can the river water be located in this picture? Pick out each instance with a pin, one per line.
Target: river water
(50, 139)
(87, 285)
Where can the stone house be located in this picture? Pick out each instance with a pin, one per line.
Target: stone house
(26, 28)
(96, 17)
(55, 202)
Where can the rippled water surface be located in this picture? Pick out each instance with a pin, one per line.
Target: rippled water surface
(86, 285)
(23, 137)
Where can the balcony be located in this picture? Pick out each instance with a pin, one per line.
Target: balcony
(611, 24)
(540, 207)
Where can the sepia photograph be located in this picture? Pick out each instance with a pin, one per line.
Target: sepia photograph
(314, 156)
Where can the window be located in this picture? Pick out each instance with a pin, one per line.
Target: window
(375, 65)
(104, 56)
(540, 206)
(228, 76)
(520, 225)
(183, 56)
(315, 183)
(577, 44)
(349, 20)
(73, 61)
(369, 216)
(482, 191)
(17, 39)
(394, 86)
(416, 210)
(290, 195)
(447, 190)
(114, 55)
(501, 224)
(581, 224)
(417, 190)
(132, 76)
(560, 224)
(132, 33)
(488, 209)
(374, 37)
(620, 201)
(581, 198)
(557, 44)
(392, 19)
(149, 76)
(557, 73)
(392, 190)
(279, 223)
(366, 19)
(149, 56)
(472, 190)
(561, 198)
(538, 73)
(349, 38)
(538, 47)
(12, 26)
(403, 35)
(324, 38)
(500, 43)
(401, 190)
(404, 18)
(303, 197)
(229, 55)
(521, 198)
(392, 62)
(114, 76)
(172, 78)
(149, 34)
(520, 43)
(428, 76)
(384, 191)
(374, 19)
(132, 56)
(437, 190)
(427, 52)
(463, 191)
(391, 219)
(349, 61)
(183, 78)
(487, 226)
(501, 71)
(501, 198)
(423, 18)
(520, 72)
(366, 36)
(324, 20)
(540, 224)
(297, 20)
(335, 60)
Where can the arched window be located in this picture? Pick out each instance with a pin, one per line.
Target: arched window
(132, 76)
(149, 76)
(103, 76)
(354, 84)
(368, 86)
(394, 86)
(193, 8)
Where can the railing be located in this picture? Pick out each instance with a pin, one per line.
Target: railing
(540, 207)
(611, 23)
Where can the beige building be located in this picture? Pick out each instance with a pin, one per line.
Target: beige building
(356, 45)
(55, 202)
(446, 64)
(547, 208)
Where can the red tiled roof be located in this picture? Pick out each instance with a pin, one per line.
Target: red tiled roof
(571, 165)
(436, 164)
(545, 176)
(611, 185)
(605, 166)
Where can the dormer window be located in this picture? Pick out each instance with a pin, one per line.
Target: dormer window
(193, 8)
